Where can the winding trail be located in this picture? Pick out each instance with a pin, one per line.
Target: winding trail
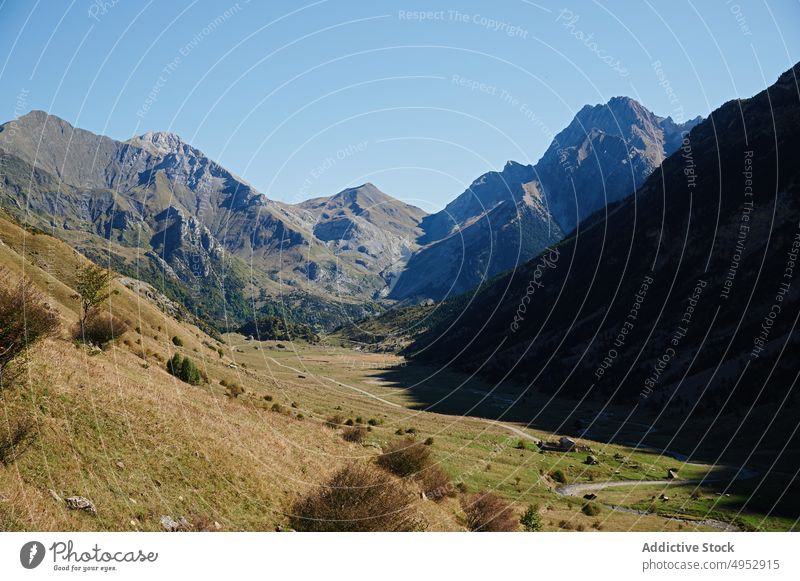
(510, 428)
(359, 390)
(580, 488)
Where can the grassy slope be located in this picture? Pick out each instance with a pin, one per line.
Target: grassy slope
(116, 428)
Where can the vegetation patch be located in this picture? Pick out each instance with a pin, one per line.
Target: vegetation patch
(357, 498)
(487, 512)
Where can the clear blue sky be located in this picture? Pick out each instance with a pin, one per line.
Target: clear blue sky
(307, 99)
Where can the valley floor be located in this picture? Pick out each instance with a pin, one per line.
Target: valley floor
(238, 450)
(477, 442)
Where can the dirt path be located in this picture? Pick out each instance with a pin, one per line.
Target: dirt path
(339, 383)
(580, 489)
(501, 425)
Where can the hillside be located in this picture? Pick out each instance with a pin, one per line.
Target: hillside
(113, 426)
(681, 301)
(159, 209)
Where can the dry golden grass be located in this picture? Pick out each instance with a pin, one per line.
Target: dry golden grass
(115, 427)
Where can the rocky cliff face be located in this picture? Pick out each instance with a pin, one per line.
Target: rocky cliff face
(605, 154)
(499, 223)
(506, 218)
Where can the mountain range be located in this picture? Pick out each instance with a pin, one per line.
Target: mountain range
(682, 298)
(155, 208)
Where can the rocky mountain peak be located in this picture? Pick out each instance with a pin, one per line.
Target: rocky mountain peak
(160, 142)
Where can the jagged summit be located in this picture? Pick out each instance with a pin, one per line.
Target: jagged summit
(160, 142)
(604, 155)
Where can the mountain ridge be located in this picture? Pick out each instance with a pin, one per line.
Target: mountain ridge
(200, 221)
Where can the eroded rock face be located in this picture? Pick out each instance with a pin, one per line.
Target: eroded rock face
(607, 152)
(506, 218)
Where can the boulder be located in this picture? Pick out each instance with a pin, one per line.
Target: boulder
(173, 525)
(592, 460)
(81, 503)
(672, 473)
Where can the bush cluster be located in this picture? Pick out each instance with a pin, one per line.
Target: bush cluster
(357, 498)
(184, 369)
(487, 512)
(100, 328)
(405, 457)
(411, 459)
(356, 434)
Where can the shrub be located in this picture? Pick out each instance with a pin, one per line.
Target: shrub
(189, 372)
(435, 483)
(177, 341)
(184, 369)
(15, 440)
(428, 441)
(355, 434)
(277, 408)
(398, 432)
(487, 512)
(521, 445)
(372, 422)
(267, 398)
(334, 421)
(357, 498)
(558, 476)
(271, 328)
(405, 457)
(24, 319)
(100, 328)
(531, 521)
(349, 422)
(234, 390)
(591, 509)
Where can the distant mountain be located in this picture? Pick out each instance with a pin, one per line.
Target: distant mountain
(158, 208)
(605, 154)
(506, 218)
(500, 222)
(684, 298)
(367, 228)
